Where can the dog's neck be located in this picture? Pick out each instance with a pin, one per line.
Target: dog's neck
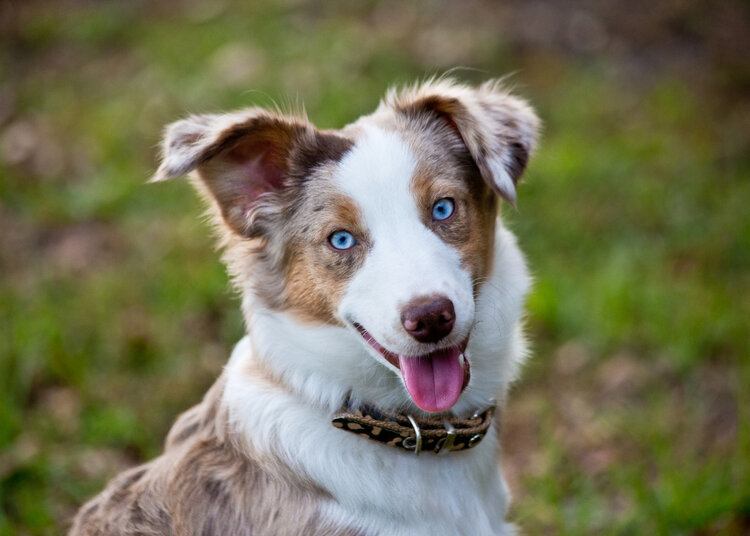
(286, 379)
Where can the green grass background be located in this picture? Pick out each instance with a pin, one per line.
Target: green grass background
(633, 417)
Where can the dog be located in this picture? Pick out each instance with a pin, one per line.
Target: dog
(383, 300)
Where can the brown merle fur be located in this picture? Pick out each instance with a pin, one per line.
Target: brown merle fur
(491, 122)
(206, 483)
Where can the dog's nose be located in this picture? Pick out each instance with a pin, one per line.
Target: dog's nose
(428, 318)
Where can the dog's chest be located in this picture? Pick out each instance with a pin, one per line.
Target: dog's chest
(390, 492)
(374, 488)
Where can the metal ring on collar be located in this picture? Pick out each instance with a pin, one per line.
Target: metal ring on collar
(417, 447)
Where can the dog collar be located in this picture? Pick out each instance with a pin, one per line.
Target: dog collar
(435, 434)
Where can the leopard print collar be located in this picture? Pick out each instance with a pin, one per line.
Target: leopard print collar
(434, 434)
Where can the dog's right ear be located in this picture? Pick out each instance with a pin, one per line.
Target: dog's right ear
(244, 158)
(499, 130)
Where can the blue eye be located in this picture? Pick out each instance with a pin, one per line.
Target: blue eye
(342, 240)
(443, 209)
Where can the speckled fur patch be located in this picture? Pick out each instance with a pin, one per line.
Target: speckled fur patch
(207, 482)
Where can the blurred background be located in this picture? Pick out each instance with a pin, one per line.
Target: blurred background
(633, 417)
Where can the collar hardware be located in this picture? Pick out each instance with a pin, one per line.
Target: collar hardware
(414, 443)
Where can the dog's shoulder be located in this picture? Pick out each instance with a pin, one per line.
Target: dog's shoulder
(126, 507)
(202, 420)
(136, 501)
(206, 482)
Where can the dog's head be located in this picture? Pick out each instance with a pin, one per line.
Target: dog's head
(385, 227)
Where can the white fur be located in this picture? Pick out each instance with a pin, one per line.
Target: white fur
(381, 489)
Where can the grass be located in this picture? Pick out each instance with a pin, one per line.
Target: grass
(116, 314)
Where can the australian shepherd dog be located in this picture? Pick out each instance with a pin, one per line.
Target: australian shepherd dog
(383, 300)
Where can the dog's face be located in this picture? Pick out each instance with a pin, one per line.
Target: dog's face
(385, 228)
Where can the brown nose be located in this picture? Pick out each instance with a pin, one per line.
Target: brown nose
(428, 318)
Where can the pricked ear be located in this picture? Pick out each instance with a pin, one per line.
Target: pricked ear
(499, 130)
(243, 158)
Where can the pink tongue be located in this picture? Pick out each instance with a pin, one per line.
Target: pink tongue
(434, 382)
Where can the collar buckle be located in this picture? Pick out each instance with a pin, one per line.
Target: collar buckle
(446, 443)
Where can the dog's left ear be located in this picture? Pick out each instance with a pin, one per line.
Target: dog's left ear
(499, 130)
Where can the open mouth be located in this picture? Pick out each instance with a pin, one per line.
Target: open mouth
(435, 380)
